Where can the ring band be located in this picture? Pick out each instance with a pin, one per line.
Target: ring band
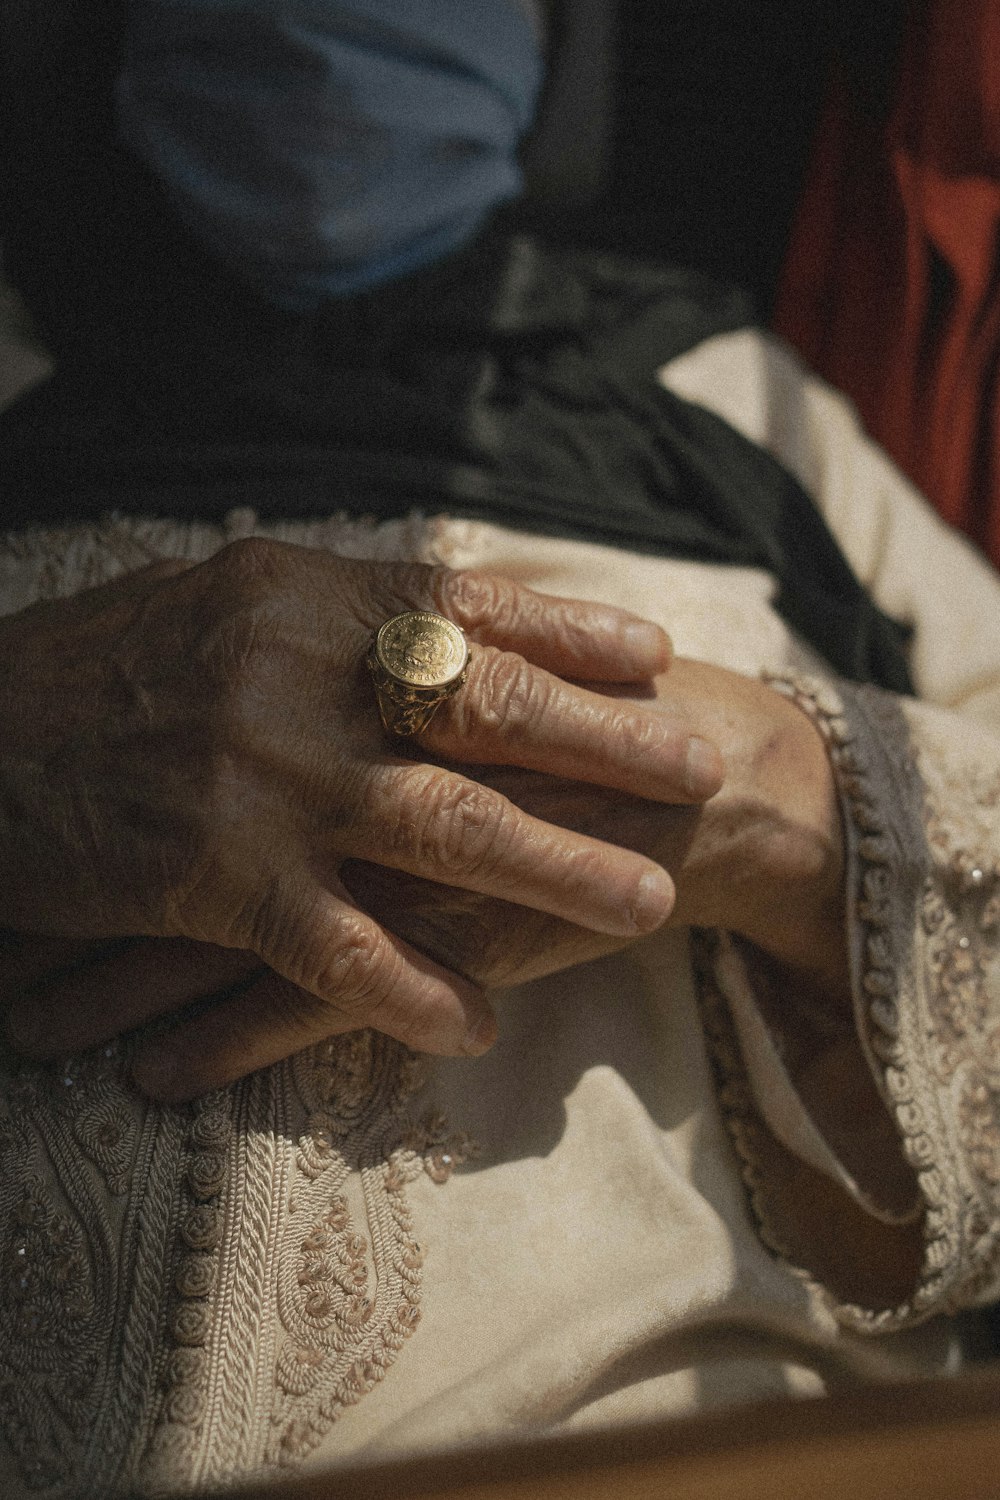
(417, 660)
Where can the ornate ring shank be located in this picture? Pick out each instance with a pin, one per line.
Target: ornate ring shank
(417, 660)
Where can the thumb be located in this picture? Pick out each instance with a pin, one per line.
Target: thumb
(334, 969)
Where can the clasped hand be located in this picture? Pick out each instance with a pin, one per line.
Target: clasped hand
(192, 754)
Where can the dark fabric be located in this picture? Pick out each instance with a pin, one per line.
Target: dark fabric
(715, 102)
(679, 131)
(514, 383)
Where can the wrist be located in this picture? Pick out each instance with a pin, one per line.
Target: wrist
(765, 858)
(797, 912)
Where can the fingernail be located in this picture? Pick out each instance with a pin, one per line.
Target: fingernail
(481, 1034)
(654, 900)
(647, 642)
(703, 769)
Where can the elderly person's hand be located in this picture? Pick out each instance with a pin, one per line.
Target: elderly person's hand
(193, 752)
(763, 858)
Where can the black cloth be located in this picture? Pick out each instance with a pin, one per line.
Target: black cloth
(514, 383)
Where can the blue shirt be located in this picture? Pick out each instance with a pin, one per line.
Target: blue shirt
(321, 147)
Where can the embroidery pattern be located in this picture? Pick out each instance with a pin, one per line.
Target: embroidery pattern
(195, 1274)
(171, 1276)
(63, 1246)
(927, 1023)
(98, 1326)
(346, 1301)
(960, 915)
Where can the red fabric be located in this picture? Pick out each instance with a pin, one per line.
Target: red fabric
(891, 286)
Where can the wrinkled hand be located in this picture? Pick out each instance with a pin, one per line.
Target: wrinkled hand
(193, 752)
(764, 858)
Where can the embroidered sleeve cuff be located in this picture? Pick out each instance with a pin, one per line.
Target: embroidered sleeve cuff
(873, 1158)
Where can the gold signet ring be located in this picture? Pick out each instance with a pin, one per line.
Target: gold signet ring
(417, 660)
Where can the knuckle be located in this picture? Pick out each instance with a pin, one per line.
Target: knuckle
(472, 599)
(242, 623)
(350, 971)
(203, 888)
(249, 563)
(240, 644)
(463, 828)
(644, 732)
(573, 631)
(377, 591)
(508, 691)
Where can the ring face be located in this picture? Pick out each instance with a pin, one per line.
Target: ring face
(417, 660)
(422, 649)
